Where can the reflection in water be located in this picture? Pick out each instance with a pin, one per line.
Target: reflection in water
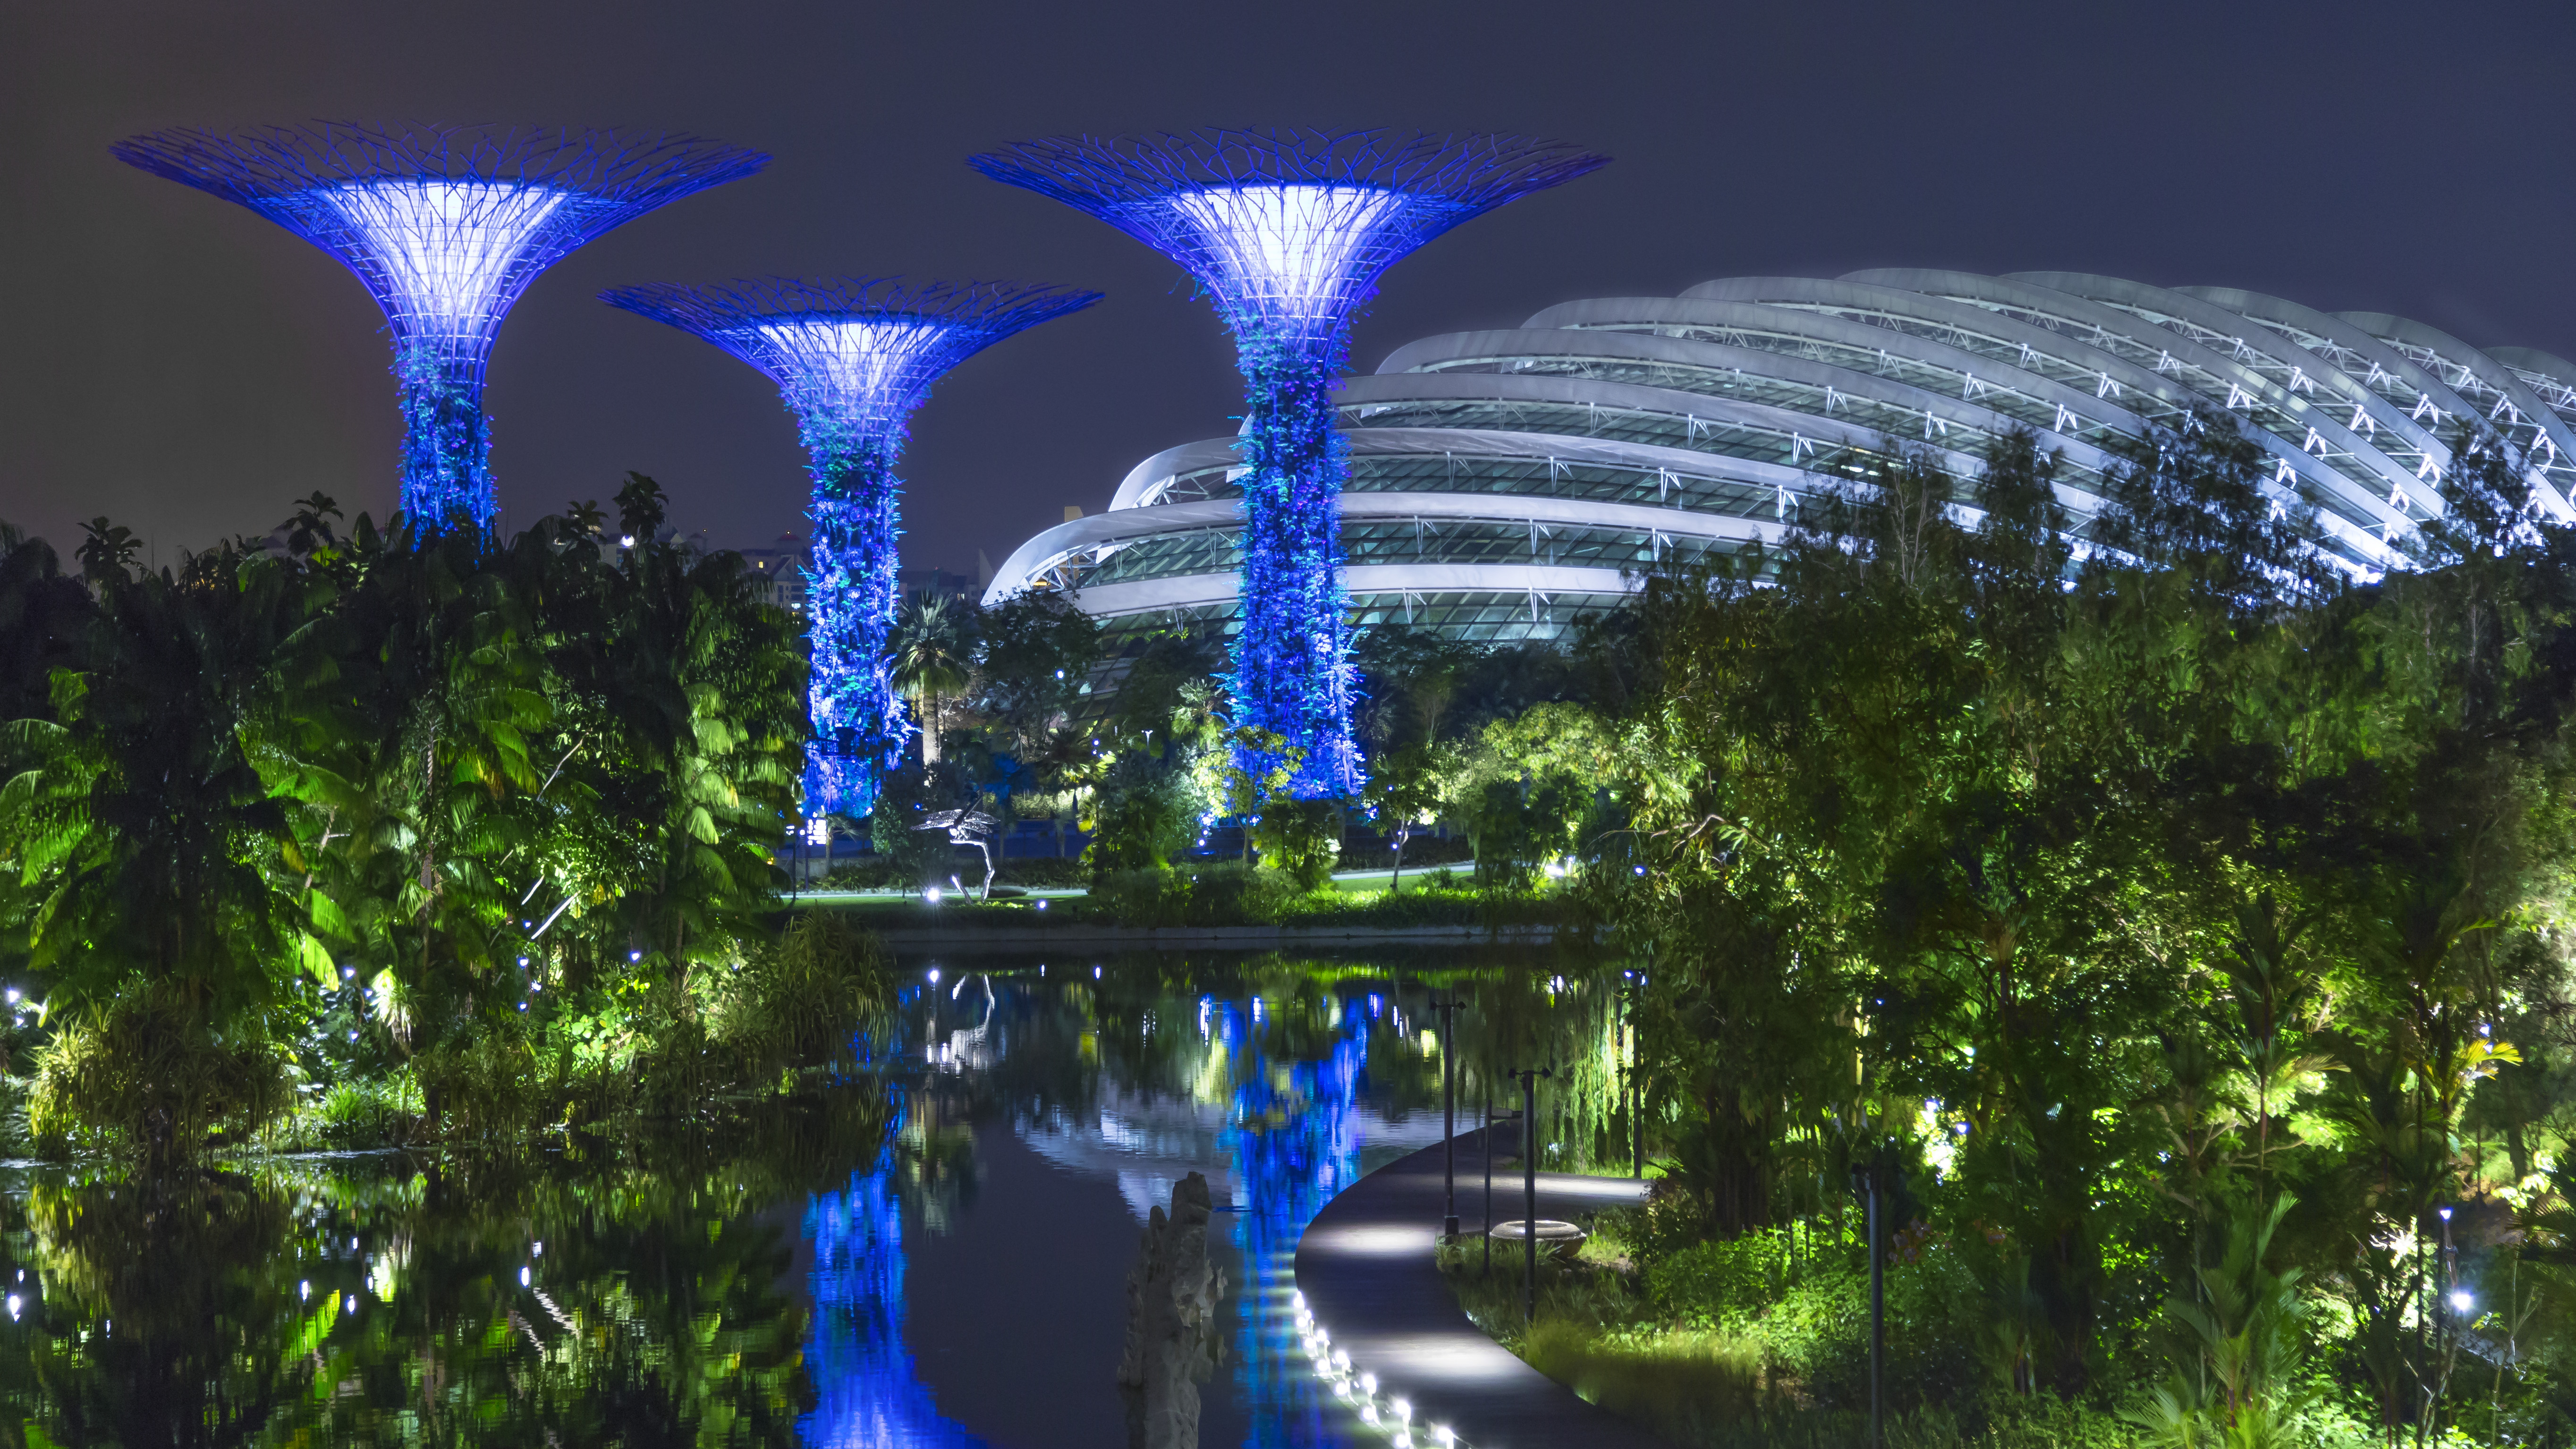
(765, 1284)
(1294, 1138)
(868, 1396)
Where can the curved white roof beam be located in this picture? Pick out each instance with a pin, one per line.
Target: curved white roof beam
(2546, 436)
(1801, 434)
(1102, 534)
(2149, 393)
(2225, 382)
(2552, 378)
(2403, 381)
(1939, 411)
(2294, 362)
(2032, 398)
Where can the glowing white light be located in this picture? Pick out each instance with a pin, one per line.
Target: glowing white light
(2462, 1300)
(346, 973)
(446, 247)
(634, 955)
(13, 1305)
(523, 1277)
(856, 357)
(818, 831)
(304, 1290)
(13, 995)
(1403, 1411)
(934, 975)
(1095, 973)
(1042, 969)
(1368, 1383)
(1287, 248)
(930, 894)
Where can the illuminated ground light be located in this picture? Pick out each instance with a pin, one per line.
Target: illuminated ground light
(1288, 232)
(853, 357)
(1376, 1404)
(446, 226)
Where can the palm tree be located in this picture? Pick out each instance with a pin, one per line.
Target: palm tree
(932, 654)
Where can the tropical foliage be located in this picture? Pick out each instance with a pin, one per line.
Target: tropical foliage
(491, 816)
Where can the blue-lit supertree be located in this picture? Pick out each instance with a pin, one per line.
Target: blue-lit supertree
(1288, 232)
(446, 226)
(853, 358)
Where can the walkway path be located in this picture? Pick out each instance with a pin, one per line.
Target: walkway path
(1366, 1271)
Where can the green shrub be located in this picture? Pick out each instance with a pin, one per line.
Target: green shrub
(1231, 893)
(802, 1001)
(874, 874)
(491, 1084)
(1678, 1384)
(362, 1113)
(1300, 837)
(1044, 872)
(1142, 896)
(1726, 1284)
(149, 1074)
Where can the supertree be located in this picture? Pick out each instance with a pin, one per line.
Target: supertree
(853, 357)
(446, 226)
(1288, 231)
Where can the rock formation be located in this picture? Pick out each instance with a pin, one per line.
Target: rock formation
(1172, 1294)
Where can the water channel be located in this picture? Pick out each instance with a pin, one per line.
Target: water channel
(934, 1255)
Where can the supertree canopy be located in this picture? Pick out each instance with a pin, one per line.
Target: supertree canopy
(853, 357)
(1288, 232)
(446, 226)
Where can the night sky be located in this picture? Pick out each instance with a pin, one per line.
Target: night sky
(187, 368)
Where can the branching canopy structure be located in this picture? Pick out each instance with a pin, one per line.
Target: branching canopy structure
(1288, 231)
(446, 226)
(853, 358)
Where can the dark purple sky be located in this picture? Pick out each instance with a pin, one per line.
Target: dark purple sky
(186, 368)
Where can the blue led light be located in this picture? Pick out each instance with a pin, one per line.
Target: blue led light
(853, 358)
(1288, 233)
(446, 227)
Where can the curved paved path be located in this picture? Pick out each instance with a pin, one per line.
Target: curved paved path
(1366, 1270)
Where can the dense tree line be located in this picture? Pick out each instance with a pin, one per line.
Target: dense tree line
(484, 826)
(2178, 921)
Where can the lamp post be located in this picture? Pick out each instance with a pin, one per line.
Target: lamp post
(1448, 1114)
(1636, 1084)
(1489, 1176)
(1866, 1181)
(1529, 1188)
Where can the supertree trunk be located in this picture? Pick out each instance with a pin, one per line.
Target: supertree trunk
(1292, 674)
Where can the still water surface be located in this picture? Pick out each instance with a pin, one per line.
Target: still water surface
(934, 1256)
